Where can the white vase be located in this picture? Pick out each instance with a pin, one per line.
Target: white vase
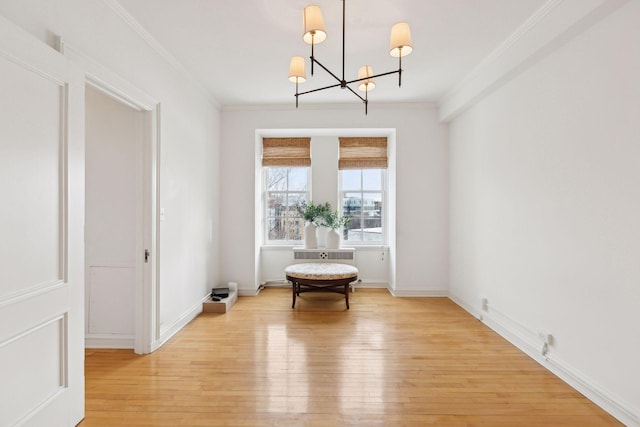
(322, 236)
(333, 239)
(310, 236)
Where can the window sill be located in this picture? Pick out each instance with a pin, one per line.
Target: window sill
(363, 248)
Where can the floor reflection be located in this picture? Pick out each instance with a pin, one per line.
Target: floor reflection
(363, 369)
(286, 372)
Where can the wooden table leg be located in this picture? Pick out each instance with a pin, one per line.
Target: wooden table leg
(294, 291)
(346, 294)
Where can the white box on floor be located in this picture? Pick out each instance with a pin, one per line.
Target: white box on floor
(221, 306)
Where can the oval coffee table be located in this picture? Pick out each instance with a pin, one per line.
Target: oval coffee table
(321, 276)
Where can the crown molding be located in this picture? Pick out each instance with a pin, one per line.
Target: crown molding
(159, 49)
(550, 27)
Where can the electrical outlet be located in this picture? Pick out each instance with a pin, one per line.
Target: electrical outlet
(484, 303)
(547, 341)
(546, 337)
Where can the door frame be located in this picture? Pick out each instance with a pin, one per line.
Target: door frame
(147, 320)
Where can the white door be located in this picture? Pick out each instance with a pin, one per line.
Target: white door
(41, 234)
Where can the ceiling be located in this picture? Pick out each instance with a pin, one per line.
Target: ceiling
(240, 50)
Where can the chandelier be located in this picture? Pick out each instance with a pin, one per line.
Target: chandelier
(314, 33)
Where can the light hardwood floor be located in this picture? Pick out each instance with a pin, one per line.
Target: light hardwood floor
(385, 362)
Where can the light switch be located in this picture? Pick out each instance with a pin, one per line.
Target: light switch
(161, 214)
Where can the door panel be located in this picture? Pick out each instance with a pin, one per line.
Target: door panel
(41, 224)
(30, 125)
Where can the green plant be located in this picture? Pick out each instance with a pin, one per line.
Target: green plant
(332, 219)
(313, 213)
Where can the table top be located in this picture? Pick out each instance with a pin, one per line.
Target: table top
(321, 271)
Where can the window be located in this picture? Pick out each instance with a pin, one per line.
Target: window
(363, 164)
(362, 199)
(286, 164)
(285, 188)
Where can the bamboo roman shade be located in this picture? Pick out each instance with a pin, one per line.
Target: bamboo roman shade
(286, 152)
(363, 153)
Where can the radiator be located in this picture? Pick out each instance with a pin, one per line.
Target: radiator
(343, 256)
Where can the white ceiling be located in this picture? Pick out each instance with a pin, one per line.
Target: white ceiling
(240, 50)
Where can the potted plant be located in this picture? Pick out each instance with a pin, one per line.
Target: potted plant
(313, 215)
(334, 221)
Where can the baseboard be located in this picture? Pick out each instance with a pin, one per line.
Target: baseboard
(426, 293)
(109, 341)
(528, 342)
(169, 331)
(370, 285)
(248, 292)
(467, 307)
(361, 285)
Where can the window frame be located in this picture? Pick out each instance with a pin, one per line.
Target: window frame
(384, 176)
(265, 202)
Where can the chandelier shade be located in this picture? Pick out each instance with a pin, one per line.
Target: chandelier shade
(313, 24)
(314, 32)
(400, 42)
(367, 83)
(297, 70)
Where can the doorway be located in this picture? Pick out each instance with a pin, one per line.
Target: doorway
(114, 137)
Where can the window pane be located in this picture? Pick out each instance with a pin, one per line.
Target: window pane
(297, 179)
(277, 179)
(372, 204)
(277, 229)
(351, 179)
(286, 187)
(276, 204)
(372, 230)
(353, 230)
(295, 228)
(294, 199)
(352, 204)
(353, 234)
(372, 179)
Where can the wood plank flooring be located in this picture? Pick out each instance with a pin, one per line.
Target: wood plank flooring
(385, 362)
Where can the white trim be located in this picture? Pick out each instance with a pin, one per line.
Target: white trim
(427, 293)
(28, 53)
(157, 47)
(147, 293)
(529, 343)
(463, 304)
(35, 328)
(40, 407)
(34, 291)
(109, 341)
(249, 292)
(169, 331)
(374, 284)
(104, 80)
(556, 22)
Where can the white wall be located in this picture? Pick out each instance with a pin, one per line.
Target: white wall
(545, 207)
(189, 138)
(422, 162)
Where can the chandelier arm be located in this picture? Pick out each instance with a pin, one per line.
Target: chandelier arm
(319, 89)
(373, 77)
(326, 69)
(356, 93)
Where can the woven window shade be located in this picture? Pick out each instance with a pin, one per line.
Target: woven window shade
(286, 152)
(363, 153)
